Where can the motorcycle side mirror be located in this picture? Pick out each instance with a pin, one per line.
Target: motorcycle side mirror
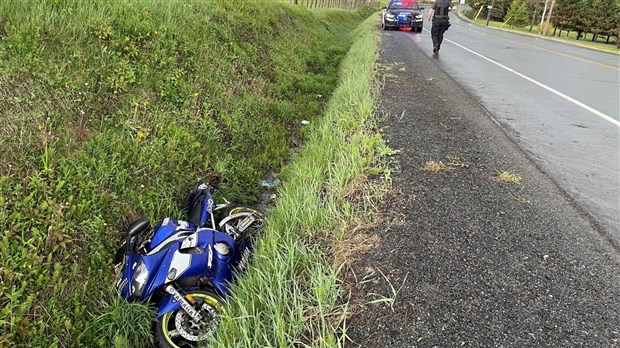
(138, 227)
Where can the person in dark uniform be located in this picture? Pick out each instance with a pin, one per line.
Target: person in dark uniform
(439, 16)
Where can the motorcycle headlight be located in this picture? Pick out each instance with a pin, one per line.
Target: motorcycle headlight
(139, 280)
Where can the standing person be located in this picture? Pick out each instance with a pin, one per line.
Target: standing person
(439, 16)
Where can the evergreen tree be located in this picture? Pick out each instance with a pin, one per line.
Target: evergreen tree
(500, 9)
(518, 14)
(604, 16)
(571, 15)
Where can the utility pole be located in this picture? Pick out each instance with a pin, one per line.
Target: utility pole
(544, 33)
(490, 8)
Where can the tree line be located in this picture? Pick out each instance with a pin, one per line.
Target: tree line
(600, 18)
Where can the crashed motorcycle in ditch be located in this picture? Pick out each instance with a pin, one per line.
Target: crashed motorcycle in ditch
(184, 267)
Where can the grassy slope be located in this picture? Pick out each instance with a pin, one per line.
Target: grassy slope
(290, 295)
(110, 110)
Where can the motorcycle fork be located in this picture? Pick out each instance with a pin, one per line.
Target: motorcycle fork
(186, 301)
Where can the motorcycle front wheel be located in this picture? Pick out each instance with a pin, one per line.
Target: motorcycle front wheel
(178, 330)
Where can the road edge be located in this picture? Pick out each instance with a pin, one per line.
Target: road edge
(553, 39)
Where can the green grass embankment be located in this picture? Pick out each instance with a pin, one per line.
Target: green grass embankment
(112, 110)
(290, 295)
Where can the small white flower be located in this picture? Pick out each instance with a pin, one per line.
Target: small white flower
(142, 186)
(305, 122)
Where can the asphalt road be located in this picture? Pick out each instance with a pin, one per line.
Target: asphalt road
(561, 103)
(459, 259)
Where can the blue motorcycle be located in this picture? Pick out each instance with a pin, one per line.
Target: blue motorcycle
(184, 267)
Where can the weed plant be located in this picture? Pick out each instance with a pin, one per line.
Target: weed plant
(110, 110)
(290, 295)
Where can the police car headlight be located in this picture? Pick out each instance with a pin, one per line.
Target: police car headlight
(418, 17)
(389, 16)
(139, 280)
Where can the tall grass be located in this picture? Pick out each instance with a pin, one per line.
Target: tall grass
(289, 296)
(112, 109)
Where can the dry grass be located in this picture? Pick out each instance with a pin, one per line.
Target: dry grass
(522, 200)
(507, 177)
(355, 247)
(452, 162)
(455, 162)
(352, 239)
(436, 167)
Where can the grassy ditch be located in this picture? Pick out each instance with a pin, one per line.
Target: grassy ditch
(290, 296)
(110, 110)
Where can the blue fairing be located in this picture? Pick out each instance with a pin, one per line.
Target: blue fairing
(168, 304)
(168, 227)
(221, 272)
(152, 263)
(186, 262)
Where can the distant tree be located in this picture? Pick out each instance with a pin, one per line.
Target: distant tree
(596, 14)
(498, 12)
(500, 9)
(474, 6)
(613, 27)
(603, 15)
(518, 14)
(536, 7)
(571, 15)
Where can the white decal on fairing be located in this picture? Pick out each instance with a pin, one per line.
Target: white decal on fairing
(190, 242)
(210, 261)
(165, 243)
(180, 262)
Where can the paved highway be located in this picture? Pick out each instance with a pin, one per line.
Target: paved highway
(480, 263)
(560, 103)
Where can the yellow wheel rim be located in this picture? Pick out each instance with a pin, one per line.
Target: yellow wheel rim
(208, 299)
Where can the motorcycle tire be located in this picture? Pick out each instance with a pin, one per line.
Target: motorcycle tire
(168, 335)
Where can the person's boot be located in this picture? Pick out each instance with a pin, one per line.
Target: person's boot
(435, 48)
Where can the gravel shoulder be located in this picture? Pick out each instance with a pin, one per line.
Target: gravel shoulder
(463, 260)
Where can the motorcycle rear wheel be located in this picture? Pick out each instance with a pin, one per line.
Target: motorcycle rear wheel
(168, 335)
(253, 230)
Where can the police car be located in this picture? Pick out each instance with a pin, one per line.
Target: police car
(402, 14)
